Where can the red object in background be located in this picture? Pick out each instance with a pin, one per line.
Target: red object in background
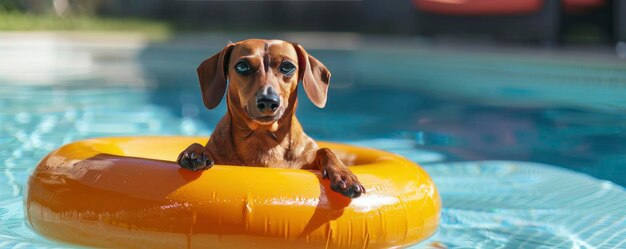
(479, 7)
(497, 7)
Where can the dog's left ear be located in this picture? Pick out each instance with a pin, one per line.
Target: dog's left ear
(314, 75)
(212, 75)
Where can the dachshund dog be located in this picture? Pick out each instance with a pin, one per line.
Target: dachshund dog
(260, 127)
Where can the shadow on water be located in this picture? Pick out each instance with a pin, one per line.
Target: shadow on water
(370, 99)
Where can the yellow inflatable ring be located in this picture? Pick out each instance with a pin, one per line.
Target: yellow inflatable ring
(128, 193)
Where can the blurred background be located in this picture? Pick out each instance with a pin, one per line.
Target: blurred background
(547, 22)
(516, 108)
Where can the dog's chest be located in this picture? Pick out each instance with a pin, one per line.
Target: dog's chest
(272, 153)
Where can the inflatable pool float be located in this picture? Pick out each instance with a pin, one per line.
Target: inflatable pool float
(128, 192)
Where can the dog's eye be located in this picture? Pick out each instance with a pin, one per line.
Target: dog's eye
(287, 68)
(242, 67)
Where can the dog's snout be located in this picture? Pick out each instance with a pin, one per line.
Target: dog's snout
(267, 100)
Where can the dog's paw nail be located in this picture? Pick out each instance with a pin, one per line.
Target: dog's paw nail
(358, 190)
(338, 185)
(354, 191)
(342, 184)
(208, 163)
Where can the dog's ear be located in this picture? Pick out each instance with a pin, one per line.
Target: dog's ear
(314, 75)
(212, 75)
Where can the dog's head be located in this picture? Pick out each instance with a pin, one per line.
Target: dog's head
(263, 76)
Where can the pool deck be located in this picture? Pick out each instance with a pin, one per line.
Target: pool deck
(320, 40)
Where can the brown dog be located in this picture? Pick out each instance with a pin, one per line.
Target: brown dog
(260, 127)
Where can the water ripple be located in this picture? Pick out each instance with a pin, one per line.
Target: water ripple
(547, 207)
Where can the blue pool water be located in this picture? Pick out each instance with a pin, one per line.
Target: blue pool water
(528, 150)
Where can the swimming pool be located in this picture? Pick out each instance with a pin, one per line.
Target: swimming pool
(527, 149)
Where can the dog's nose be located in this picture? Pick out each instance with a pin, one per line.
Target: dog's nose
(267, 101)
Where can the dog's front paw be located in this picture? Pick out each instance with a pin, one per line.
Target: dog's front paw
(343, 181)
(195, 158)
